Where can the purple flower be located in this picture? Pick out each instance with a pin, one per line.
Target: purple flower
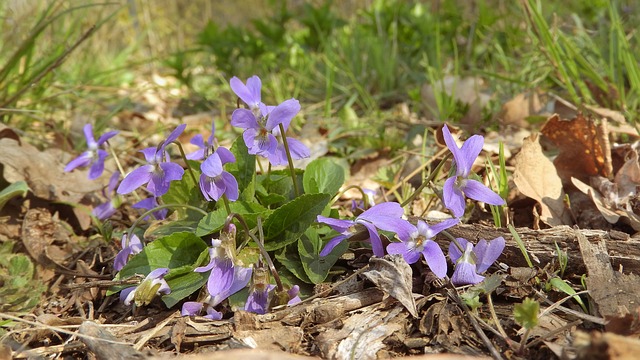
(370, 200)
(474, 260)
(261, 123)
(261, 293)
(202, 145)
(385, 216)
(419, 242)
(157, 173)
(456, 187)
(94, 156)
(191, 308)
(249, 93)
(148, 204)
(109, 207)
(154, 284)
(130, 246)
(214, 181)
(225, 278)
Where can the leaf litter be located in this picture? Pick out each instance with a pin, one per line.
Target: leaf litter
(389, 309)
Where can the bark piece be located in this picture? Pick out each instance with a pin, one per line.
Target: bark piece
(112, 348)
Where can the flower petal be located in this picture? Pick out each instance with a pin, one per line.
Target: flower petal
(410, 256)
(338, 225)
(106, 136)
(126, 295)
(487, 252)
(191, 308)
(298, 150)
(244, 119)
(435, 258)
(465, 273)
(283, 114)
(478, 191)
(382, 211)
(88, 135)
(226, 156)
(135, 179)
(174, 135)
(452, 197)
(469, 151)
(249, 93)
(332, 244)
(212, 166)
(374, 238)
(98, 167)
(231, 186)
(81, 161)
(442, 225)
(172, 171)
(454, 252)
(221, 276)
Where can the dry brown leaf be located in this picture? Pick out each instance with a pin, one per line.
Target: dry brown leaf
(536, 177)
(517, 110)
(393, 276)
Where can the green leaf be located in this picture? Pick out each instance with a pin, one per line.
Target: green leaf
(280, 182)
(290, 259)
(181, 253)
(287, 223)
(185, 191)
(526, 314)
(562, 285)
(323, 175)
(316, 267)
(214, 221)
(167, 227)
(13, 190)
(245, 166)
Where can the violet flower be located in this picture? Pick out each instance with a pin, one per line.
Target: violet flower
(214, 181)
(420, 242)
(109, 207)
(131, 245)
(475, 260)
(94, 156)
(225, 278)
(261, 123)
(151, 203)
(456, 187)
(158, 172)
(261, 293)
(385, 216)
(202, 145)
(152, 285)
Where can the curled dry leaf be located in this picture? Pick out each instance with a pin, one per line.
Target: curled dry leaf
(618, 199)
(393, 276)
(536, 177)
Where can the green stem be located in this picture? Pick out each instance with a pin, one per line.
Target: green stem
(184, 157)
(290, 160)
(365, 198)
(426, 182)
(120, 168)
(226, 204)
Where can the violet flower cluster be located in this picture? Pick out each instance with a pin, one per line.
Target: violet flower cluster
(417, 241)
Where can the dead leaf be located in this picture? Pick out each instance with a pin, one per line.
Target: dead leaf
(583, 145)
(517, 110)
(393, 276)
(536, 177)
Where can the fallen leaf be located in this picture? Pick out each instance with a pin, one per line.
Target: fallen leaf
(536, 177)
(583, 145)
(393, 276)
(517, 110)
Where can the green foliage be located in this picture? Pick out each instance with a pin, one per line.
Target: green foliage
(244, 169)
(186, 191)
(287, 223)
(214, 221)
(19, 292)
(18, 188)
(316, 267)
(181, 253)
(323, 175)
(526, 313)
(562, 285)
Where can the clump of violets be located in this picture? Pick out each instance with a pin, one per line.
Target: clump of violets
(152, 286)
(420, 242)
(459, 185)
(385, 216)
(158, 172)
(225, 278)
(95, 154)
(261, 123)
(475, 260)
(109, 207)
